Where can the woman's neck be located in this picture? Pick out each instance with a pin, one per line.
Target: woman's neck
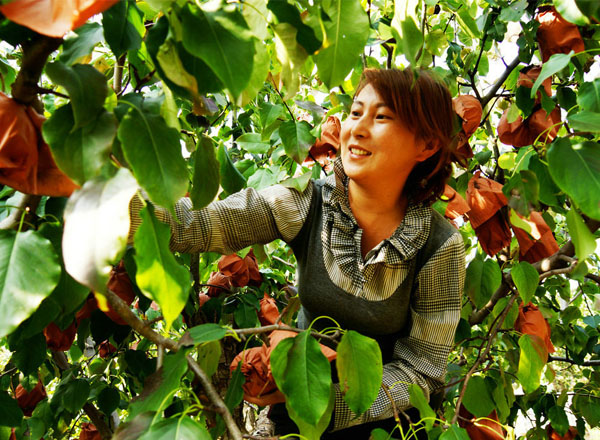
(378, 213)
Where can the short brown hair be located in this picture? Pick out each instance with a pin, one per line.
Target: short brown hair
(423, 103)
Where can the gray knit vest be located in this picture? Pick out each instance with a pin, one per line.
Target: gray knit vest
(386, 320)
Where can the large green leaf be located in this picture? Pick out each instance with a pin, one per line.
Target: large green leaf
(287, 13)
(547, 188)
(526, 280)
(297, 139)
(588, 405)
(231, 179)
(161, 386)
(558, 419)
(207, 333)
(303, 374)
(590, 8)
(531, 361)
(478, 399)
(555, 64)
(585, 121)
(313, 431)
(86, 87)
(261, 63)
(153, 150)
(419, 401)
(253, 143)
(359, 385)
(74, 48)
(583, 239)
(569, 11)
(173, 69)
(483, 278)
(122, 27)
(29, 271)
(182, 428)
(347, 31)
(455, 432)
(108, 400)
(82, 152)
(159, 276)
(588, 96)
(522, 192)
(11, 414)
(255, 12)
(290, 55)
(75, 395)
(262, 178)
(412, 39)
(96, 228)
(576, 170)
(220, 38)
(207, 176)
(30, 354)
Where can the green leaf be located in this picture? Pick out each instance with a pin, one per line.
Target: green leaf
(412, 39)
(297, 139)
(220, 38)
(31, 353)
(261, 63)
(483, 278)
(583, 239)
(75, 48)
(108, 400)
(245, 315)
(231, 179)
(75, 395)
(172, 66)
(161, 386)
(507, 160)
(159, 276)
(522, 192)
(153, 150)
(526, 279)
(207, 333)
(467, 22)
(532, 360)
(346, 31)
(207, 177)
(589, 407)
(590, 8)
(262, 178)
(558, 419)
(555, 64)
(121, 25)
(455, 432)
(86, 87)
(29, 271)
(208, 356)
(96, 228)
(524, 100)
(309, 430)
(419, 401)
(588, 96)
(256, 18)
(290, 55)
(575, 168)
(11, 414)
(182, 428)
(298, 183)
(287, 13)
(82, 152)
(570, 12)
(585, 121)
(303, 374)
(359, 385)
(547, 188)
(478, 399)
(252, 142)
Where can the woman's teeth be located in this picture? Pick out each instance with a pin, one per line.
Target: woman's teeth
(359, 152)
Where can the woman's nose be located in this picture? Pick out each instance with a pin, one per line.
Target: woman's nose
(360, 128)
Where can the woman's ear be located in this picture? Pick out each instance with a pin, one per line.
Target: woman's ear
(427, 149)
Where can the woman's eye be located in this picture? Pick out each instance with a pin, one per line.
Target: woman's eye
(355, 113)
(383, 116)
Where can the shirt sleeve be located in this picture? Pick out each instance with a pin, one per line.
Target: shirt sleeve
(226, 226)
(421, 357)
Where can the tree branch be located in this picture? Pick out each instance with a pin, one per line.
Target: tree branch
(35, 55)
(591, 363)
(138, 325)
(489, 95)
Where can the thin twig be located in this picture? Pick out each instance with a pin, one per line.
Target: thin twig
(28, 205)
(492, 92)
(591, 363)
(281, 260)
(269, 328)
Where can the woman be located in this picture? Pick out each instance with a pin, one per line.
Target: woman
(371, 252)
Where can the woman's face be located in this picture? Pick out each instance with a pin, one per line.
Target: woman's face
(377, 148)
